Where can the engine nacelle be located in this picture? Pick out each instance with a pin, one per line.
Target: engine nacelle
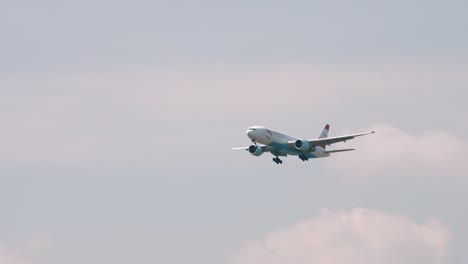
(302, 145)
(255, 150)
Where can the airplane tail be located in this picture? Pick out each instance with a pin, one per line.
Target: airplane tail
(325, 134)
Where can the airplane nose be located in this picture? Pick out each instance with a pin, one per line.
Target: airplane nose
(249, 133)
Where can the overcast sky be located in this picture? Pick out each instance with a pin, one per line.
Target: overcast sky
(117, 119)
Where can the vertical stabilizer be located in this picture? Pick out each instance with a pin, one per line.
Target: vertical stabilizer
(325, 134)
(325, 131)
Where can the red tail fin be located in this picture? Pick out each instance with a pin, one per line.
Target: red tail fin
(325, 134)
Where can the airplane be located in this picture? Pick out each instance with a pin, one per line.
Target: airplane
(279, 144)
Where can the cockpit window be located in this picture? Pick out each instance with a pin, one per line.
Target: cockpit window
(253, 129)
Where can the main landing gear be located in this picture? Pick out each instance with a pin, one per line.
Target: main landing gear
(277, 160)
(303, 157)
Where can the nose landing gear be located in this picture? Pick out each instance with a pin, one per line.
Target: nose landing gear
(277, 160)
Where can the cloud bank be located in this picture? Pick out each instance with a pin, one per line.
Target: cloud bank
(30, 251)
(392, 151)
(124, 117)
(359, 236)
(8, 257)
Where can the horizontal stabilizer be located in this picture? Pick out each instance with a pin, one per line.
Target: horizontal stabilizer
(338, 150)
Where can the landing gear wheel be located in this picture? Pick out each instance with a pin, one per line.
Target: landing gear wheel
(277, 160)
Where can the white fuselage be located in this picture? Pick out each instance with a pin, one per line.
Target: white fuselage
(278, 141)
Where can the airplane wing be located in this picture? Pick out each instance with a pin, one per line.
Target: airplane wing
(265, 148)
(331, 140)
(244, 148)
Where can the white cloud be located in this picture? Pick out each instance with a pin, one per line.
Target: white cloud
(8, 257)
(391, 151)
(359, 236)
(29, 251)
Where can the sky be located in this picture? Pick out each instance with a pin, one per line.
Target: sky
(118, 119)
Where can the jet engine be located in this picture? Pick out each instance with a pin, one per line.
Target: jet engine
(303, 145)
(255, 150)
